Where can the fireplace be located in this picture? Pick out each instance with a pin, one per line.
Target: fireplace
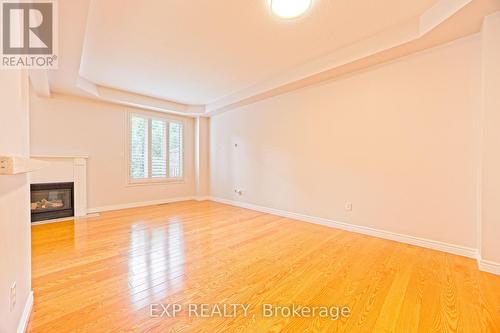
(52, 201)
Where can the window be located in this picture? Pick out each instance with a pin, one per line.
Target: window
(155, 148)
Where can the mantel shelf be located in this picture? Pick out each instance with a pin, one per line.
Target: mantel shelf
(13, 165)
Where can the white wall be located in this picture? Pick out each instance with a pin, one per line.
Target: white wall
(202, 156)
(397, 140)
(490, 225)
(15, 232)
(64, 125)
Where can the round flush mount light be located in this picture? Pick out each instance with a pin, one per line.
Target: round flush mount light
(290, 8)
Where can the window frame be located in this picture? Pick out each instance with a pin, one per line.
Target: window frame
(149, 116)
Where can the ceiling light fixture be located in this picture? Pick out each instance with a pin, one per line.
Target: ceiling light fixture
(290, 8)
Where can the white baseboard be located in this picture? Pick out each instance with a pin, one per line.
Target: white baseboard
(25, 317)
(484, 265)
(427, 243)
(488, 266)
(137, 204)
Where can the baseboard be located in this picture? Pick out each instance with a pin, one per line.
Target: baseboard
(138, 204)
(488, 266)
(484, 265)
(25, 317)
(422, 242)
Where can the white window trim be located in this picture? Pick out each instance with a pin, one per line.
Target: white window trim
(153, 181)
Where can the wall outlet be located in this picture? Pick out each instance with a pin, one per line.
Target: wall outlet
(13, 296)
(348, 206)
(238, 191)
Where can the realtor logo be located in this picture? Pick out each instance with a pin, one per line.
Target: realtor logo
(28, 34)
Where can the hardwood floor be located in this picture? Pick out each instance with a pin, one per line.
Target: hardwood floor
(102, 275)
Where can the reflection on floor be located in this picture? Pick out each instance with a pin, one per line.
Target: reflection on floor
(119, 271)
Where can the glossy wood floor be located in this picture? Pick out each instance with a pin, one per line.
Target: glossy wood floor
(102, 274)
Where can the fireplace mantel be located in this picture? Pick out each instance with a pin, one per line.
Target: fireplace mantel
(65, 168)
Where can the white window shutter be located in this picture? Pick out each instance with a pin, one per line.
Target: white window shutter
(138, 147)
(155, 148)
(175, 150)
(158, 148)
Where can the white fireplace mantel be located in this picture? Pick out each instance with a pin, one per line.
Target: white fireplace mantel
(65, 168)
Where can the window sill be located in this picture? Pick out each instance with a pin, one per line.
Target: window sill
(151, 182)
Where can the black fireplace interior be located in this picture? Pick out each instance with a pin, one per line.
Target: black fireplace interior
(52, 201)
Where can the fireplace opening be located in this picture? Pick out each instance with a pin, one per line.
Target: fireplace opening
(52, 201)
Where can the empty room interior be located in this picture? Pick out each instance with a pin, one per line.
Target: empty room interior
(250, 166)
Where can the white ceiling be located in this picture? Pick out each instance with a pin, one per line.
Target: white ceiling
(196, 52)
(72, 25)
(207, 52)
